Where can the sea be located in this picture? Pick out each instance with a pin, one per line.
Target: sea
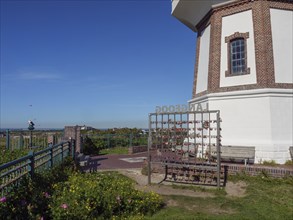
(25, 129)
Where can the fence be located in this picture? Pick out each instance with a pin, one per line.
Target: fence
(13, 172)
(118, 140)
(21, 139)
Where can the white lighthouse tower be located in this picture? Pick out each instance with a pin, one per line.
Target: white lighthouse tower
(244, 68)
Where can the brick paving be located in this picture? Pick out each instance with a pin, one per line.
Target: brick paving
(102, 162)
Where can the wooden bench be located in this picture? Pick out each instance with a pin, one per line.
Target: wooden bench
(239, 154)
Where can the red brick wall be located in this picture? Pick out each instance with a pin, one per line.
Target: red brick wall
(233, 169)
(256, 170)
(137, 149)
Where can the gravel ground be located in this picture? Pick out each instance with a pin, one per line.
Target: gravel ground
(233, 189)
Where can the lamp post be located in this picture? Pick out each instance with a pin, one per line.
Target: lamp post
(31, 128)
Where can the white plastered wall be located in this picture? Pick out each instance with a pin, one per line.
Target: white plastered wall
(282, 34)
(256, 118)
(241, 22)
(203, 61)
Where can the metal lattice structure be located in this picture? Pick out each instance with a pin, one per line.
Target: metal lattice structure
(188, 145)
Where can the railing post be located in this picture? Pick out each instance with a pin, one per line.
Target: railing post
(108, 140)
(51, 156)
(20, 142)
(7, 139)
(72, 145)
(31, 139)
(31, 165)
(130, 140)
(62, 153)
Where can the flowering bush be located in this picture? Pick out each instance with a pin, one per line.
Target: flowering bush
(31, 198)
(101, 195)
(65, 194)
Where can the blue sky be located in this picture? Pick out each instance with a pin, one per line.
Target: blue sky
(99, 63)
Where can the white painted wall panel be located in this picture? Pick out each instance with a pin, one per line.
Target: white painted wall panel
(282, 119)
(242, 23)
(261, 118)
(203, 61)
(282, 33)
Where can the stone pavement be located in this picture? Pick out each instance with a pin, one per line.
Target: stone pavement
(102, 162)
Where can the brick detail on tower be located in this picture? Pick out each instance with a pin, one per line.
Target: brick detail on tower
(263, 44)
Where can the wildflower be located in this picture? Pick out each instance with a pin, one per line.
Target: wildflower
(47, 195)
(3, 199)
(64, 206)
(23, 202)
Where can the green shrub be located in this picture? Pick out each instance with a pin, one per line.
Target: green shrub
(269, 163)
(89, 147)
(101, 195)
(289, 162)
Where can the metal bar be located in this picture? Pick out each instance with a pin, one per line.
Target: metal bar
(181, 134)
(162, 130)
(156, 131)
(22, 159)
(199, 167)
(31, 139)
(62, 152)
(202, 135)
(218, 151)
(209, 131)
(31, 165)
(13, 180)
(14, 169)
(37, 165)
(194, 132)
(51, 157)
(168, 131)
(187, 127)
(73, 148)
(149, 146)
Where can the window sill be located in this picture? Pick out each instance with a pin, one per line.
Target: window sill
(229, 74)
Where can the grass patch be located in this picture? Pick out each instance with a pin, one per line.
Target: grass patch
(265, 198)
(115, 150)
(194, 188)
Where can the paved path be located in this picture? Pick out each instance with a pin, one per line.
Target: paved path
(102, 162)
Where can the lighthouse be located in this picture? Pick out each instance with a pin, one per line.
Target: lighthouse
(244, 68)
